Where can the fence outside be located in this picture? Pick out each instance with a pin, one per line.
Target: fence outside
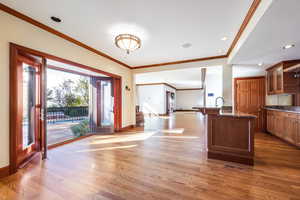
(65, 114)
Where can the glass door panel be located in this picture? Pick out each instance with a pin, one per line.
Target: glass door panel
(29, 105)
(102, 104)
(107, 103)
(29, 95)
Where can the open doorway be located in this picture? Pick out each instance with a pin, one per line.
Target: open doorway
(169, 102)
(79, 103)
(54, 101)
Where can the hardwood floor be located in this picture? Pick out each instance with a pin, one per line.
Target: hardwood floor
(148, 164)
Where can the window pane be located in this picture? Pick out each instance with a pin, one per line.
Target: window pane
(29, 85)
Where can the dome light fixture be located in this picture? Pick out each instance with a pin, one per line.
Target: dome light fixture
(128, 42)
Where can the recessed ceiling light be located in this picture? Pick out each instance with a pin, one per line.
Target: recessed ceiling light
(186, 45)
(288, 46)
(260, 64)
(224, 38)
(56, 19)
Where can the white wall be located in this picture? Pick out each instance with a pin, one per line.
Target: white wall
(214, 84)
(22, 33)
(240, 71)
(227, 85)
(186, 99)
(152, 98)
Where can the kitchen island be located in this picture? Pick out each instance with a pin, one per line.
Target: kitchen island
(230, 135)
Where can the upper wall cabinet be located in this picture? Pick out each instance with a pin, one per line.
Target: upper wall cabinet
(281, 79)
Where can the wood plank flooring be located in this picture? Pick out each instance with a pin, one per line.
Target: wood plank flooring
(166, 161)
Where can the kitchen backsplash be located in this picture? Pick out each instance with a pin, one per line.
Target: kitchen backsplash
(281, 100)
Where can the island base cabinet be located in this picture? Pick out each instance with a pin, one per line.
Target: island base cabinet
(284, 125)
(231, 138)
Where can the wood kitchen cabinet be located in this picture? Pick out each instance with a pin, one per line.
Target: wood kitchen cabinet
(270, 82)
(270, 121)
(290, 128)
(284, 125)
(281, 81)
(298, 132)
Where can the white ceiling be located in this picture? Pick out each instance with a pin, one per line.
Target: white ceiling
(180, 78)
(163, 25)
(74, 68)
(278, 27)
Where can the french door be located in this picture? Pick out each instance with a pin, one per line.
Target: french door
(28, 103)
(103, 105)
(28, 117)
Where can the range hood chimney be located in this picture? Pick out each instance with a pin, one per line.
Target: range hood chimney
(203, 86)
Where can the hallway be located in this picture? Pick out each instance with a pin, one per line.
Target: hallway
(167, 160)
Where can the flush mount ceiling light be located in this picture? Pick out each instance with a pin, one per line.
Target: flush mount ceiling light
(224, 38)
(128, 42)
(288, 46)
(260, 64)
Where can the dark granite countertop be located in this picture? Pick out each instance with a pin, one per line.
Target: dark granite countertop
(213, 107)
(206, 107)
(237, 114)
(226, 111)
(292, 109)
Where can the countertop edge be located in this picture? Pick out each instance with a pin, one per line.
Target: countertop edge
(282, 110)
(242, 115)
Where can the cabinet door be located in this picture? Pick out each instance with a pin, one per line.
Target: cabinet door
(272, 123)
(298, 132)
(279, 124)
(270, 82)
(290, 128)
(278, 72)
(268, 121)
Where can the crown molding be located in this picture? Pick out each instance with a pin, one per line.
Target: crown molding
(242, 28)
(171, 86)
(246, 21)
(180, 62)
(34, 22)
(185, 89)
(166, 84)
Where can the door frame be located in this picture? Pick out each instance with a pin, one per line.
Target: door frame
(17, 56)
(15, 50)
(167, 102)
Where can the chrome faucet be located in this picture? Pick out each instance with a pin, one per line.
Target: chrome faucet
(216, 103)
